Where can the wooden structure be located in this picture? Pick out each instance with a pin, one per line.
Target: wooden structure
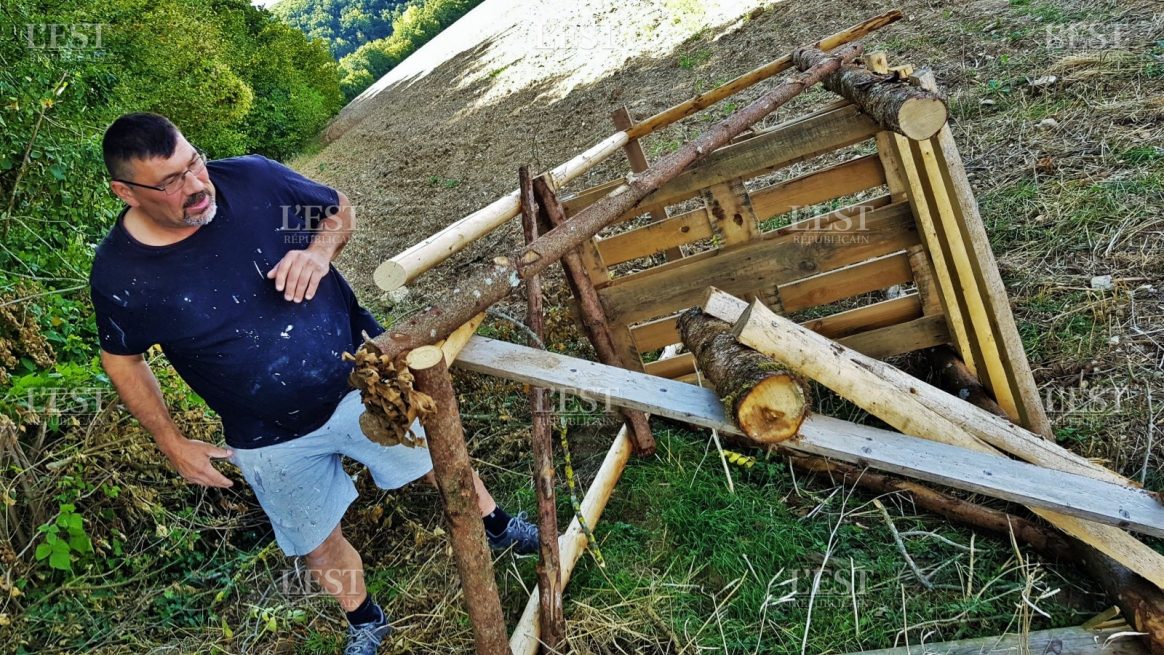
(741, 222)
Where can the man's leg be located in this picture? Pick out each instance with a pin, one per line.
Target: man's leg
(338, 569)
(485, 502)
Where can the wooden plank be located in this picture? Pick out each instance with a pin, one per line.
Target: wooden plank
(1061, 641)
(638, 163)
(999, 477)
(994, 293)
(770, 150)
(656, 334)
(655, 238)
(924, 332)
(952, 305)
(590, 195)
(953, 245)
(869, 317)
(846, 282)
(671, 367)
(844, 179)
(731, 212)
(738, 270)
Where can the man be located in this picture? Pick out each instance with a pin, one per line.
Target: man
(227, 265)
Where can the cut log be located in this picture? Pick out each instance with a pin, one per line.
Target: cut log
(766, 401)
(1063, 641)
(483, 288)
(425, 254)
(893, 103)
(896, 398)
(454, 476)
(553, 620)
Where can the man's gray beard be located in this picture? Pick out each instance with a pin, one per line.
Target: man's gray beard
(203, 218)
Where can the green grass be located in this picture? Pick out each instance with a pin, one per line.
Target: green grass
(734, 570)
(693, 60)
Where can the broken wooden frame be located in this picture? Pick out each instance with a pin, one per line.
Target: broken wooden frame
(908, 218)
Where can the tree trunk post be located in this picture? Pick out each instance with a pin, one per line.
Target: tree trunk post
(593, 316)
(552, 615)
(454, 476)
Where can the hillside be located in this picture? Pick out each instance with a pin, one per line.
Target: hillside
(1067, 174)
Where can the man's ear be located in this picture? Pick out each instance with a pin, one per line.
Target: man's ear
(125, 192)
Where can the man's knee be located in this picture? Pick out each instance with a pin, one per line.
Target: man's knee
(328, 548)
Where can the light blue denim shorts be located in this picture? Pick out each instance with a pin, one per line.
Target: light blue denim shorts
(302, 486)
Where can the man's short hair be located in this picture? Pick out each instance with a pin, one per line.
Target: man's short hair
(140, 135)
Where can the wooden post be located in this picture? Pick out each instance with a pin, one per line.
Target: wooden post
(638, 163)
(454, 476)
(552, 616)
(594, 320)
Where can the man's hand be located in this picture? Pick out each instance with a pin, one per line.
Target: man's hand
(192, 459)
(298, 274)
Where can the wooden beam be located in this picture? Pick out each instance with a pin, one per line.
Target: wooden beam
(1064, 641)
(821, 435)
(892, 340)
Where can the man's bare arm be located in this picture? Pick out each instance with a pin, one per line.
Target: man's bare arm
(298, 274)
(139, 390)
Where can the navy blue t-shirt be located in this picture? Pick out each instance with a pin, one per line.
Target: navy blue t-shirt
(270, 367)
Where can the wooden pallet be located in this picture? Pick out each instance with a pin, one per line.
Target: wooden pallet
(907, 220)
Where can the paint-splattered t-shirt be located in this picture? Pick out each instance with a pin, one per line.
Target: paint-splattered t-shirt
(271, 368)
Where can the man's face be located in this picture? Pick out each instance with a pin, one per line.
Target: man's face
(189, 198)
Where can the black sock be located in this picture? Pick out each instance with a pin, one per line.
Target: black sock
(367, 612)
(496, 522)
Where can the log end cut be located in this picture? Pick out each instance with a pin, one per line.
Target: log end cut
(773, 409)
(921, 118)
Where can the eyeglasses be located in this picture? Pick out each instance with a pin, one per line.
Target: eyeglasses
(174, 183)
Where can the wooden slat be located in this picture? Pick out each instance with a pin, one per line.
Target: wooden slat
(1064, 641)
(656, 334)
(820, 186)
(770, 261)
(999, 477)
(953, 306)
(962, 271)
(869, 317)
(924, 332)
(588, 196)
(770, 150)
(731, 212)
(1031, 411)
(671, 367)
(654, 238)
(846, 282)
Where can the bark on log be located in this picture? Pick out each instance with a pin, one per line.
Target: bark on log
(487, 286)
(1142, 604)
(593, 315)
(894, 397)
(552, 615)
(765, 400)
(1051, 544)
(454, 476)
(894, 104)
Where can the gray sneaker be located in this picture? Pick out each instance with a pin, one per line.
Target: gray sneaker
(364, 639)
(519, 533)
